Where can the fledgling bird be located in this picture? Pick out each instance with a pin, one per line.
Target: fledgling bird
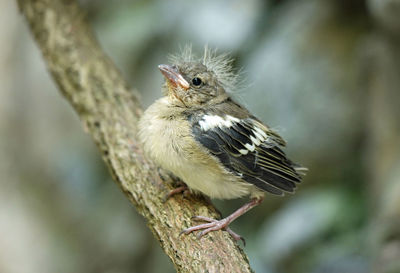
(212, 143)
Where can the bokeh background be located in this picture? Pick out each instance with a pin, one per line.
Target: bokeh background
(324, 73)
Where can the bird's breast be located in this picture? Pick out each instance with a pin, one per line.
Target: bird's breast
(168, 140)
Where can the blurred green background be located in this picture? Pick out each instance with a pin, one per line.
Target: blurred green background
(324, 73)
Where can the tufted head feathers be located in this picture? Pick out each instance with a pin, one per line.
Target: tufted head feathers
(194, 81)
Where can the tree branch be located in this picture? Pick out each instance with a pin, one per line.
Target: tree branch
(109, 112)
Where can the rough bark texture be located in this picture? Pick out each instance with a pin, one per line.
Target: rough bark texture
(109, 111)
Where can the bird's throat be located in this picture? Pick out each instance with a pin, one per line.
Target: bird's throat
(172, 94)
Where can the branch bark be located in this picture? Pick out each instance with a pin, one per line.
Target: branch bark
(109, 111)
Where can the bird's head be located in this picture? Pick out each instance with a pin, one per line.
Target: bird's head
(194, 82)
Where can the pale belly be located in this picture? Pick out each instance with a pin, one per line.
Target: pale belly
(175, 150)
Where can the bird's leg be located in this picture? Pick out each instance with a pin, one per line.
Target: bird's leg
(214, 225)
(181, 189)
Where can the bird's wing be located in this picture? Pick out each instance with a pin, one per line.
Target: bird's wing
(249, 150)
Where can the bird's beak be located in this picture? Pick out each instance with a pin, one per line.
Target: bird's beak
(173, 76)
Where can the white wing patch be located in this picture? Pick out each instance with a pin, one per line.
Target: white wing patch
(262, 134)
(249, 147)
(211, 121)
(259, 136)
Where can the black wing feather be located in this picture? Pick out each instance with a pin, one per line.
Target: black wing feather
(266, 166)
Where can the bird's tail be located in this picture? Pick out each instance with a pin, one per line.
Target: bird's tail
(300, 169)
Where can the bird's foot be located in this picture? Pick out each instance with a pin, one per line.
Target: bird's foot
(181, 189)
(213, 225)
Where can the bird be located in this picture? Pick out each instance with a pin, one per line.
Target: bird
(201, 135)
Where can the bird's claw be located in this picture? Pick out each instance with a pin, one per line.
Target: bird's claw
(236, 236)
(181, 189)
(212, 225)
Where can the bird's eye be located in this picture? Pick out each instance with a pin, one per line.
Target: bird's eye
(197, 81)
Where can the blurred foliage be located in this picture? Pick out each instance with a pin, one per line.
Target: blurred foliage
(302, 64)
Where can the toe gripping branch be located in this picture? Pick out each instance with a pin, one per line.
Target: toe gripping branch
(223, 224)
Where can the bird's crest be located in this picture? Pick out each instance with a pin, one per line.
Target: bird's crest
(220, 64)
